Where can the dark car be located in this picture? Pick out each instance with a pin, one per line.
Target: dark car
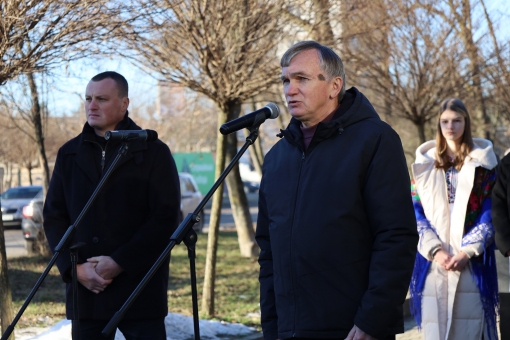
(13, 200)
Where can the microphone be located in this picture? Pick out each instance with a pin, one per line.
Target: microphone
(271, 111)
(132, 135)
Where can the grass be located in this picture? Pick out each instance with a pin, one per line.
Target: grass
(236, 297)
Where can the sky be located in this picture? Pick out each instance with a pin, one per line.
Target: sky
(69, 83)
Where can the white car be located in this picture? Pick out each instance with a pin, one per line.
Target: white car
(13, 200)
(190, 199)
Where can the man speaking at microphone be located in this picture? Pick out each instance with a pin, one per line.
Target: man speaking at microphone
(336, 224)
(126, 228)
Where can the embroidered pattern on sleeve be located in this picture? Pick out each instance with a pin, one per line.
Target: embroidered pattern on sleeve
(481, 233)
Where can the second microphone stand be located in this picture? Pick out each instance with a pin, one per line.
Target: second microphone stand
(184, 233)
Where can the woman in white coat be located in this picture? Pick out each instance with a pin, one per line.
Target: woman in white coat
(454, 292)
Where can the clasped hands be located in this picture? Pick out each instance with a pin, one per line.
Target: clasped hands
(451, 262)
(97, 273)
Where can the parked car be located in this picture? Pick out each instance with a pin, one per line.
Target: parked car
(13, 200)
(190, 198)
(32, 222)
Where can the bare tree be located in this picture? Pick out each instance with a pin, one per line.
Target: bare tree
(459, 14)
(35, 35)
(318, 18)
(409, 59)
(226, 51)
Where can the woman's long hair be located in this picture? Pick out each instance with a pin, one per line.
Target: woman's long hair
(466, 144)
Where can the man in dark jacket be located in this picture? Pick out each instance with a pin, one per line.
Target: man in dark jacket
(501, 222)
(336, 225)
(128, 225)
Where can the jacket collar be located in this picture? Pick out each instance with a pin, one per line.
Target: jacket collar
(84, 146)
(354, 107)
(481, 155)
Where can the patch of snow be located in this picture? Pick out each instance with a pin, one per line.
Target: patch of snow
(178, 327)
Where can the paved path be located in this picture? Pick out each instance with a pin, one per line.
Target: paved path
(14, 243)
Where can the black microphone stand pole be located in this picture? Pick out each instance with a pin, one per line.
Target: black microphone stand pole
(184, 232)
(63, 244)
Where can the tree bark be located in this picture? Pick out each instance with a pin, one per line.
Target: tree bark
(236, 194)
(36, 116)
(421, 131)
(6, 307)
(214, 225)
(256, 153)
(38, 131)
(29, 169)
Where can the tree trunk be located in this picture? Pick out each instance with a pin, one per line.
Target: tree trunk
(214, 225)
(38, 131)
(256, 153)
(237, 196)
(421, 132)
(29, 169)
(43, 247)
(323, 33)
(6, 308)
(475, 88)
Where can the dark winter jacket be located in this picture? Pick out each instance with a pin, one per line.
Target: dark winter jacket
(131, 220)
(501, 206)
(336, 228)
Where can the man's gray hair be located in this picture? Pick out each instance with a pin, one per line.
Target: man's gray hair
(330, 62)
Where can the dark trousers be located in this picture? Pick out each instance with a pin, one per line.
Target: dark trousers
(153, 329)
(504, 315)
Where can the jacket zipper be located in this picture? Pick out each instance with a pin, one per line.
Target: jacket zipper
(103, 154)
(103, 158)
(291, 252)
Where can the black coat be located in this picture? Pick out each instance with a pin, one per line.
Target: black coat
(131, 220)
(336, 228)
(501, 206)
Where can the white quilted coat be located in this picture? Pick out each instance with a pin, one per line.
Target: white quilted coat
(451, 305)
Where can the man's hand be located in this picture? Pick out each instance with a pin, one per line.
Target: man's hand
(458, 262)
(106, 267)
(443, 258)
(358, 334)
(88, 277)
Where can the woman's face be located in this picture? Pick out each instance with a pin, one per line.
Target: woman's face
(452, 126)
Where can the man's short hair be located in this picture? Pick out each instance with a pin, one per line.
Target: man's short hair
(330, 61)
(122, 84)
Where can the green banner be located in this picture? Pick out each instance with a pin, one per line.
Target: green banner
(200, 165)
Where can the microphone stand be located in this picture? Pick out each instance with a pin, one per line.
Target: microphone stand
(184, 233)
(63, 244)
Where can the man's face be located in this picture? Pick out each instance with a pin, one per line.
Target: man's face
(310, 97)
(103, 106)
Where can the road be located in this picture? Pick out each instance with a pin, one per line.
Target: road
(14, 243)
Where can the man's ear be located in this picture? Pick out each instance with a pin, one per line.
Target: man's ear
(336, 87)
(125, 103)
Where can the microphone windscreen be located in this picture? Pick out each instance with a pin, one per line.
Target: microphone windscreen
(151, 135)
(275, 110)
